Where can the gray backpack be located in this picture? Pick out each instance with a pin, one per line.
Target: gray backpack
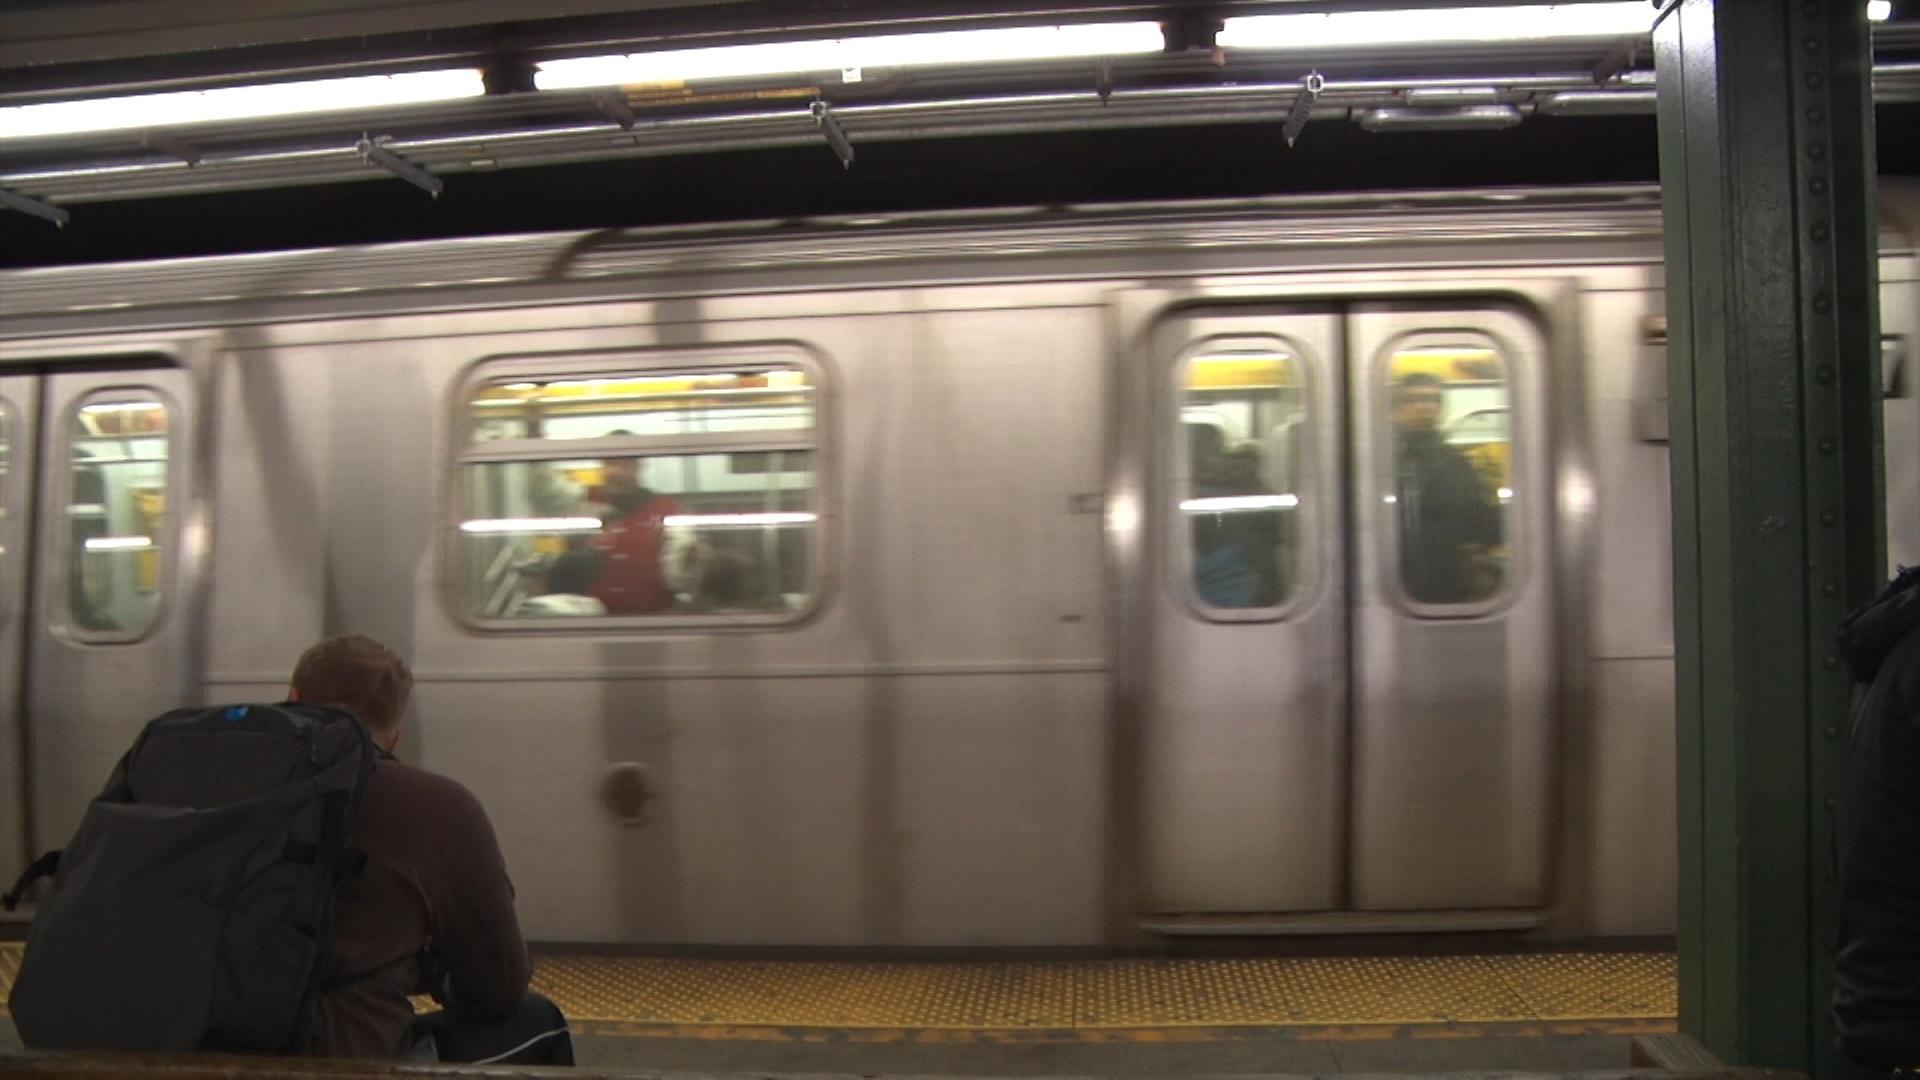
(192, 908)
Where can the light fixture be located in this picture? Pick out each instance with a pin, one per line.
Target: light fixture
(1879, 10)
(1533, 22)
(531, 525)
(1464, 118)
(1453, 95)
(1229, 503)
(119, 543)
(184, 107)
(730, 520)
(846, 56)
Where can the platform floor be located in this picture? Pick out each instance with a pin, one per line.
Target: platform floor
(1557, 1012)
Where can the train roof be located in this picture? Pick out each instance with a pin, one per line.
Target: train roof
(422, 274)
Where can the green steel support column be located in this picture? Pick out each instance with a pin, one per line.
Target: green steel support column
(1767, 175)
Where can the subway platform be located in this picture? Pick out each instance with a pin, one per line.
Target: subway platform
(1555, 1012)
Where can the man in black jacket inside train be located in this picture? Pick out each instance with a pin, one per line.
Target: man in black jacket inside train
(1876, 996)
(1447, 523)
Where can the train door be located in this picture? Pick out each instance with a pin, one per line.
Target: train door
(94, 634)
(1453, 632)
(1348, 643)
(1245, 740)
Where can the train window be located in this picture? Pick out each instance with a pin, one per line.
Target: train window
(1242, 448)
(650, 495)
(116, 507)
(6, 492)
(1452, 486)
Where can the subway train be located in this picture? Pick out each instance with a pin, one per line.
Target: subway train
(1068, 578)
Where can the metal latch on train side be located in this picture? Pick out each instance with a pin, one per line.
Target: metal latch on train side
(1302, 108)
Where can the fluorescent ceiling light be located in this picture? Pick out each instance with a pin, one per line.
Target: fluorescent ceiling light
(1879, 10)
(184, 107)
(847, 55)
(531, 525)
(119, 543)
(1227, 504)
(1433, 25)
(732, 520)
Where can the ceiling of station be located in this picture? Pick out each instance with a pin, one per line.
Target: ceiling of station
(50, 33)
(60, 49)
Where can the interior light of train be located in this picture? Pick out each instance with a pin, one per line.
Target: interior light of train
(1230, 503)
(120, 406)
(849, 55)
(119, 543)
(185, 107)
(531, 525)
(1506, 494)
(1879, 10)
(723, 520)
(1533, 22)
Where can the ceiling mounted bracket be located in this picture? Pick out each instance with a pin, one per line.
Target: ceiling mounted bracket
(45, 211)
(618, 109)
(1302, 109)
(836, 135)
(373, 153)
(1621, 58)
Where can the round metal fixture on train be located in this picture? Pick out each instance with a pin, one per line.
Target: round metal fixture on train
(626, 790)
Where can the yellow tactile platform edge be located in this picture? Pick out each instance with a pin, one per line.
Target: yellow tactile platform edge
(1096, 995)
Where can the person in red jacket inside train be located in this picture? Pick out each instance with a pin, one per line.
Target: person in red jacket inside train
(640, 552)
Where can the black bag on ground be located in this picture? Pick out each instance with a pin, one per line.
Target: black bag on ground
(191, 910)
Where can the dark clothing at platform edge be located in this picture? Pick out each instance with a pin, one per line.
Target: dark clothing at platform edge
(434, 880)
(1876, 997)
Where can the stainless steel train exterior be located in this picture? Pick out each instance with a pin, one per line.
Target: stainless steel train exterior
(992, 697)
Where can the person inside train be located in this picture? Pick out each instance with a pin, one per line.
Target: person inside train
(731, 580)
(561, 585)
(646, 562)
(1235, 563)
(431, 911)
(1448, 524)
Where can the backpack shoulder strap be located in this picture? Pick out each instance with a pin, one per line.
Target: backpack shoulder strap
(44, 866)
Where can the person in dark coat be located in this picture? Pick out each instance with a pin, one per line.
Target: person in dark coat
(1447, 522)
(1876, 995)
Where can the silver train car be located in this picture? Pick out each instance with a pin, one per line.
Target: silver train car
(1009, 579)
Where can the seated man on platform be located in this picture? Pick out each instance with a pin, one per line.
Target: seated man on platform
(432, 912)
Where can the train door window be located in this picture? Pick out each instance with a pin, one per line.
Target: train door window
(1451, 487)
(116, 507)
(1240, 450)
(640, 494)
(6, 493)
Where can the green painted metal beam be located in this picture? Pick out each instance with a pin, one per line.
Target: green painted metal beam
(1766, 166)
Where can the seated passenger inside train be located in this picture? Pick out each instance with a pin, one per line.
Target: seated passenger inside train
(1236, 550)
(730, 580)
(432, 910)
(562, 585)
